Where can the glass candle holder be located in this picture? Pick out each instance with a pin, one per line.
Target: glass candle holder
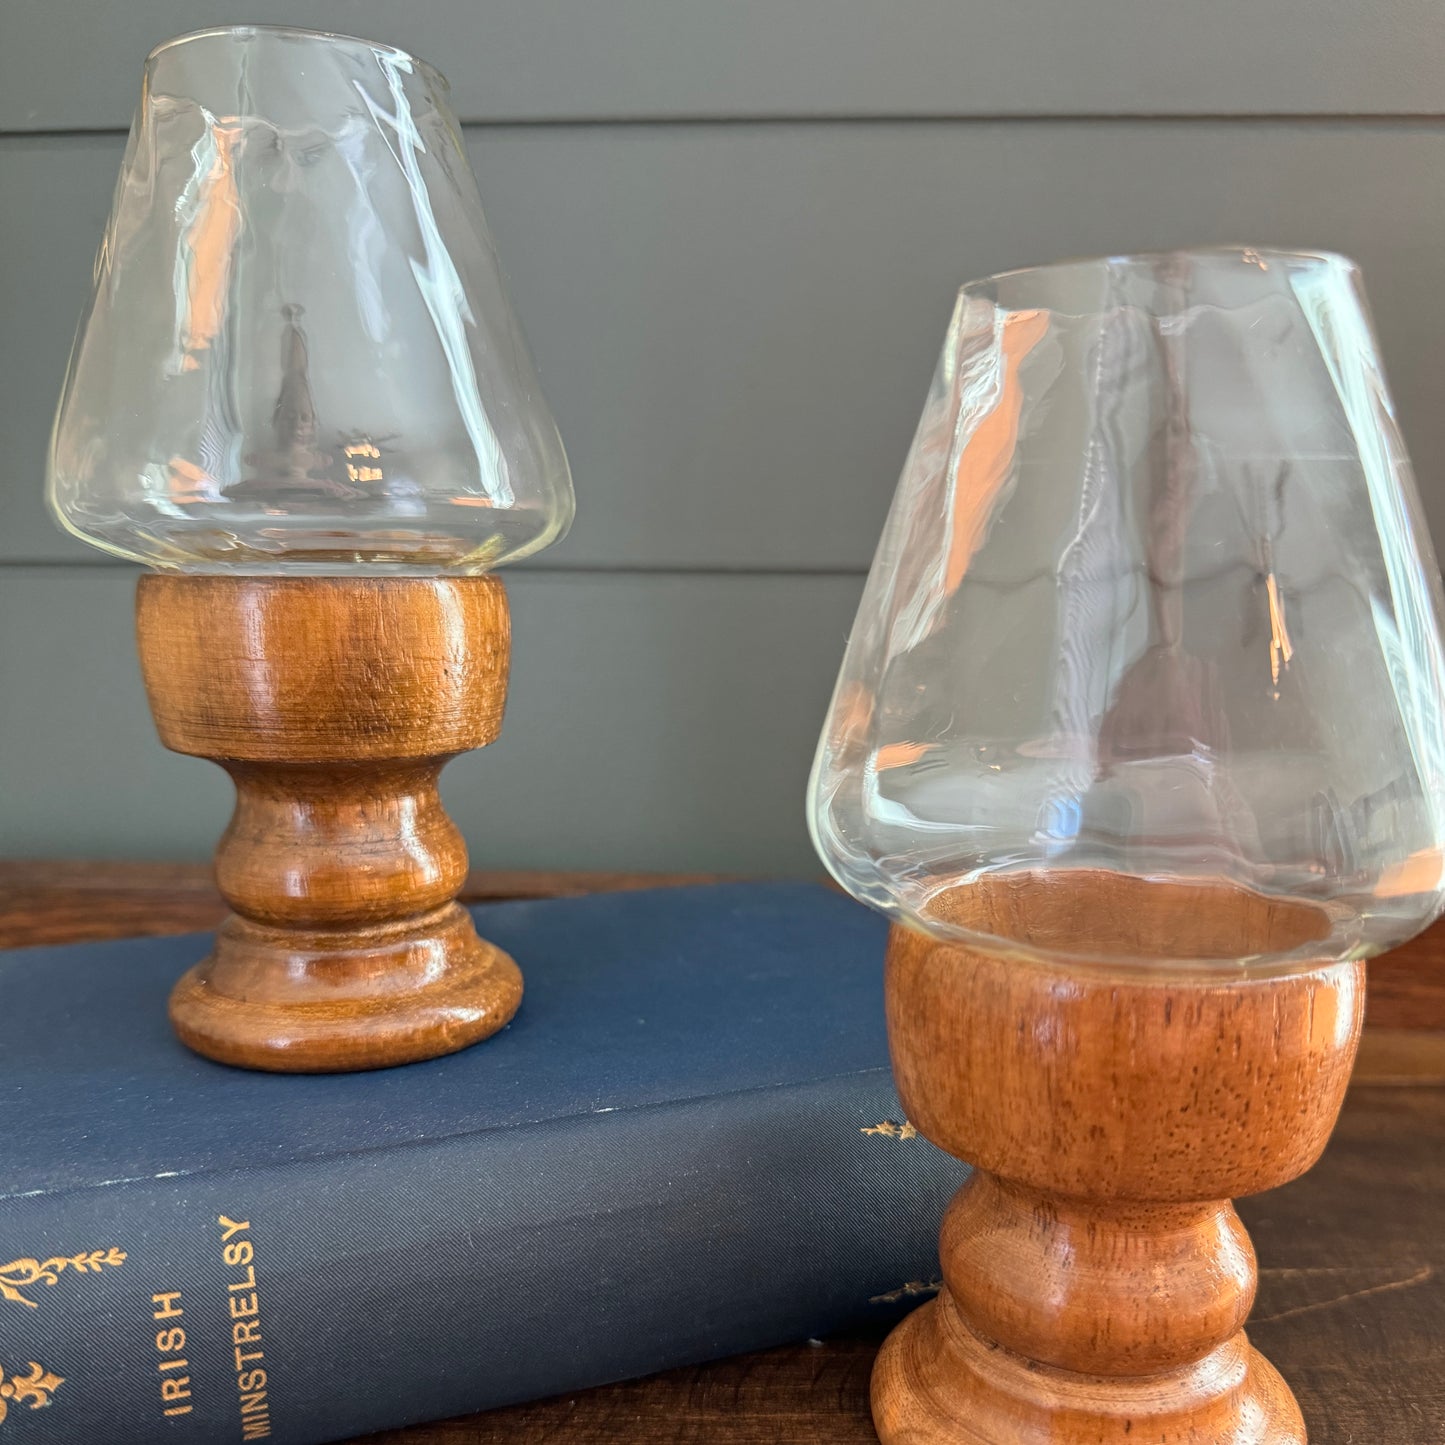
(1139, 740)
(299, 394)
(299, 356)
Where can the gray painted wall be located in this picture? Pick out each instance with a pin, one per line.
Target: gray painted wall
(732, 233)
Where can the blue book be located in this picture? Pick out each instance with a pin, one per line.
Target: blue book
(686, 1145)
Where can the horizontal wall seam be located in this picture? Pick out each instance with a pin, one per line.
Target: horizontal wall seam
(644, 122)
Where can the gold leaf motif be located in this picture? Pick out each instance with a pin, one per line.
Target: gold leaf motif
(907, 1291)
(21, 1274)
(36, 1387)
(890, 1130)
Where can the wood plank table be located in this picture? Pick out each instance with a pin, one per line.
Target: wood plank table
(1352, 1285)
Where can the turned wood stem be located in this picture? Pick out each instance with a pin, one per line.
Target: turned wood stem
(329, 846)
(1053, 1278)
(1096, 1277)
(334, 703)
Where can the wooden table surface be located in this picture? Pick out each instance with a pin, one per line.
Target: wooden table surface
(1352, 1279)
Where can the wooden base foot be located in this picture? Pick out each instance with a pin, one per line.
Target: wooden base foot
(272, 998)
(334, 703)
(1096, 1279)
(938, 1383)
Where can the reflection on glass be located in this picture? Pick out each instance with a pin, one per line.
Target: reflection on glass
(1155, 598)
(299, 355)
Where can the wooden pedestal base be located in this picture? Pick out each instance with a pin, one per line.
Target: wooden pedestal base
(334, 703)
(938, 1383)
(1096, 1279)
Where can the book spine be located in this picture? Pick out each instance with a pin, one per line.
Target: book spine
(316, 1300)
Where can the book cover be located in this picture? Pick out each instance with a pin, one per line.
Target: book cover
(686, 1145)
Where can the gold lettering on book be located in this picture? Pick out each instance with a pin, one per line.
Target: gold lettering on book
(34, 1388)
(170, 1346)
(243, 1310)
(22, 1274)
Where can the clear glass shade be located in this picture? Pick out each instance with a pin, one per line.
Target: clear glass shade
(1155, 599)
(299, 355)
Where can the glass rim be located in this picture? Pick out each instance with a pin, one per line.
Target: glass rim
(1125, 259)
(296, 32)
(1339, 947)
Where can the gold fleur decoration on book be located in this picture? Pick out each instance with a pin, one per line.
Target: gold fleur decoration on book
(911, 1290)
(22, 1274)
(33, 1388)
(889, 1130)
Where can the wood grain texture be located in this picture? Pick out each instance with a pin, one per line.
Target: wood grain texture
(1407, 985)
(65, 900)
(1096, 1278)
(1351, 1302)
(612, 757)
(1400, 1056)
(334, 703)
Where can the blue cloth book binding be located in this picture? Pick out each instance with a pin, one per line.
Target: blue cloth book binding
(686, 1145)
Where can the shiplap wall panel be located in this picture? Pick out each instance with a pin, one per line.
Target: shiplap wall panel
(735, 316)
(653, 722)
(736, 324)
(73, 64)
